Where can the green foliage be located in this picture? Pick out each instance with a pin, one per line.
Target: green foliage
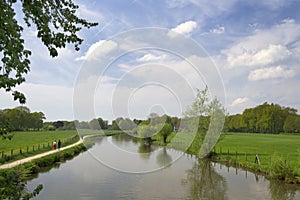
(164, 130)
(57, 25)
(292, 124)
(281, 169)
(13, 185)
(20, 119)
(200, 105)
(265, 118)
(13, 181)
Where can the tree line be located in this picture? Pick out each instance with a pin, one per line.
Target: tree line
(265, 118)
(21, 119)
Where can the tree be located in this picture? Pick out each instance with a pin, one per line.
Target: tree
(199, 106)
(292, 124)
(164, 130)
(57, 25)
(94, 124)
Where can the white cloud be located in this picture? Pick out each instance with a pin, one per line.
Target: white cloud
(265, 46)
(239, 100)
(151, 57)
(185, 28)
(272, 72)
(100, 48)
(219, 30)
(269, 55)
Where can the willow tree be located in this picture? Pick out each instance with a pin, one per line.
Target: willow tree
(57, 25)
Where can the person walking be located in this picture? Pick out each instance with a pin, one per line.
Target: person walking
(54, 145)
(59, 145)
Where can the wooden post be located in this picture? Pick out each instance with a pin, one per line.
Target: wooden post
(20, 150)
(11, 152)
(257, 159)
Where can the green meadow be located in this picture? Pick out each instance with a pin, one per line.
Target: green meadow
(247, 145)
(35, 142)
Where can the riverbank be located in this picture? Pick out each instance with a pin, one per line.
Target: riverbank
(13, 180)
(29, 143)
(275, 156)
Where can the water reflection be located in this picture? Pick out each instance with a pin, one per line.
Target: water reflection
(187, 178)
(279, 190)
(204, 182)
(163, 159)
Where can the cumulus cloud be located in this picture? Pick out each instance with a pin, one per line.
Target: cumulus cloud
(185, 28)
(271, 54)
(100, 48)
(239, 100)
(151, 57)
(265, 46)
(271, 72)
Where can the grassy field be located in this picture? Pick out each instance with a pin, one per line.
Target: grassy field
(35, 142)
(277, 153)
(32, 143)
(265, 145)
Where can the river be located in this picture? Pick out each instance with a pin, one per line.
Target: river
(103, 172)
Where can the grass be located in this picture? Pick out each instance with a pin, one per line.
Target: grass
(265, 145)
(275, 152)
(279, 154)
(37, 140)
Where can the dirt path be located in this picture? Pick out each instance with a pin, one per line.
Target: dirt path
(24, 160)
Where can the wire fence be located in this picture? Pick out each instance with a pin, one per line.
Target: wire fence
(30, 150)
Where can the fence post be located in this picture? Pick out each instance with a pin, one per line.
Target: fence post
(11, 152)
(20, 150)
(257, 159)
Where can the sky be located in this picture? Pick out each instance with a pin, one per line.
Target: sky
(151, 56)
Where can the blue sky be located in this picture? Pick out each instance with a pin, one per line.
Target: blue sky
(255, 48)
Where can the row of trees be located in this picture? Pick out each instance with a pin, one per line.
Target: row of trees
(265, 118)
(21, 119)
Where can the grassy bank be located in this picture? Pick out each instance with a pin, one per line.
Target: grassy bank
(279, 155)
(13, 180)
(25, 144)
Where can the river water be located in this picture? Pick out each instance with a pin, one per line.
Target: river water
(137, 171)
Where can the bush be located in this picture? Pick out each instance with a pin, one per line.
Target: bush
(281, 170)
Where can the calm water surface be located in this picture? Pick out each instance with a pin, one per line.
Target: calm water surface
(84, 177)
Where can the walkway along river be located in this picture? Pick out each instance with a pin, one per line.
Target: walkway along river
(90, 176)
